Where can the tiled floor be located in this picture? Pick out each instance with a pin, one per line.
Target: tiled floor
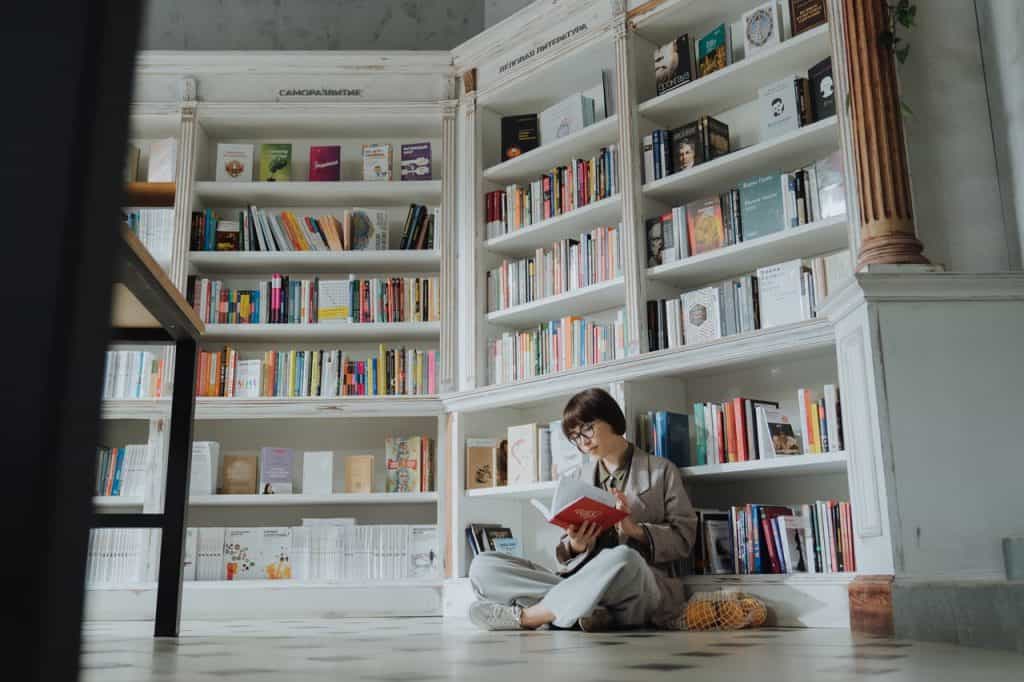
(415, 649)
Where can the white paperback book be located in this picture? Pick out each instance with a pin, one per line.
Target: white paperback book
(777, 108)
(701, 316)
(762, 28)
(248, 379)
(163, 159)
(571, 115)
(210, 554)
(234, 162)
(522, 454)
(832, 417)
(205, 466)
(191, 546)
(544, 450)
(318, 473)
(780, 294)
(423, 559)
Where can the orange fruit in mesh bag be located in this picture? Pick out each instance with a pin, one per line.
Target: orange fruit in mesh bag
(700, 615)
(755, 611)
(731, 615)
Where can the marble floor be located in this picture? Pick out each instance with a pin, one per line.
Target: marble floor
(412, 649)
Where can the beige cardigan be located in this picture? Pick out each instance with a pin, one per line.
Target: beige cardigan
(659, 504)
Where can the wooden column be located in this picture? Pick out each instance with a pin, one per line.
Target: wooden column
(887, 222)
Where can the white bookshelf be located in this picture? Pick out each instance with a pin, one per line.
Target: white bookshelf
(302, 500)
(542, 490)
(566, 226)
(258, 262)
(532, 164)
(298, 193)
(282, 407)
(781, 466)
(342, 331)
(600, 296)
(112, 502)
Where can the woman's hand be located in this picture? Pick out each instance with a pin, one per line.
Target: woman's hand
(627, 526)
(582, 537)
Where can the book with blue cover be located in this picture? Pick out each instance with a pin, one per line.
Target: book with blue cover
(762, 206)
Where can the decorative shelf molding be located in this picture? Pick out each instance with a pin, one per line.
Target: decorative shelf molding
(798, 242)
(256, 262)
(751, 349)
(344, 193)
(138, 409)
(542, 489)
(116, 502)
(780, 466)
(345, 406)
(785, 152)
(737, 83)
(300, 500)
(566, 226)
(328, 331)
(596, 297)
(559, 152)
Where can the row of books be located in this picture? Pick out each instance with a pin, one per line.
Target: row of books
(555, 193)
(492, 537)
(758, 207)
(410, 464)
(670, 151)
(235, 162)
(283, 300)
(131, 374)
(316, 373)
(118, 556)
(121, 472)
(753, 539)
(529, 453)
(665, 434)
(318, 551)
(762, 28)
(570, 264)
(155, 229)
(775, 295)
(567, 343)
(745, 429)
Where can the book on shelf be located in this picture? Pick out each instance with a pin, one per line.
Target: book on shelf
(784, 106)
(424, 561)
(131, 163)
(481, 463)
(727, 432)
(831, 186)
(821, 420)
(163, 160)
(674, 64)
(565, 456)
(410, 464)
(508, 545)
(117, 556)
(561, 190)
(701, 316)
(519, 134)
(209, 554)
(318, 472)
(132, 374)
(324, 163)
(276, 470)
(762, 28)
(544, 457)
(228, 236)
(570, 265)
(603, 94)
(239, 474)
(811, 538)
(418, 229)
(807, 14)
(823, 90)
(204, 478)
(665, 434)
(234, 162)
(784, 294)
(190, 555)
(714, 50)
(776, 435)
(155, 229)
(705, 225)
(416, 161)
(275, 162)
(570, 115)
(477, 540)
(122, 472)
(359, 474)
(666, 152)
(566, 343)
(523, 454)
(575, 502)
(377, 162)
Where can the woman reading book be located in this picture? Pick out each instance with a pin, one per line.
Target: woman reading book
(625, 576)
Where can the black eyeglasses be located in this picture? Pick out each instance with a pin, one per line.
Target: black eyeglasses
(586, 431)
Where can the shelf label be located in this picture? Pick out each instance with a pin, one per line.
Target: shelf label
(287, 94)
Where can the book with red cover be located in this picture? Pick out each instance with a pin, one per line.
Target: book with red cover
(325, 163)
(576, 502)
(769, 536)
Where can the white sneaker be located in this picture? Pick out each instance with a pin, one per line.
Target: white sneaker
(487, 615)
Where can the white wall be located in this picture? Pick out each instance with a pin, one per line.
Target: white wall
(1001, 23)
(949, 141)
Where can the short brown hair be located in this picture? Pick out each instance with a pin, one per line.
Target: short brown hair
(590, 405)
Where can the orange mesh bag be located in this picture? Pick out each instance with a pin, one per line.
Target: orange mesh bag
(724, 611)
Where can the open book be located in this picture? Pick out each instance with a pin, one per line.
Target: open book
(575, 502)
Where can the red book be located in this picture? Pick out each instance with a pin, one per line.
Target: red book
(740, 424)
(325, 163)
(730, 432)
(576, 502)
(770, 537)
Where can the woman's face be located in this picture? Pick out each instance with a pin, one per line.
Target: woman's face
(594, 438)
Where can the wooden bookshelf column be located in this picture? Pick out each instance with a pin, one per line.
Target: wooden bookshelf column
(887, 221)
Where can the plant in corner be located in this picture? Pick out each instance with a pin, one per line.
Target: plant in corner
(901, 13)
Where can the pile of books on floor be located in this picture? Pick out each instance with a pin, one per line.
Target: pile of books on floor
(319, 551)
(492, 537)
(555, 193)
(155, 228)
(410, 465)
(570, 264)
(755, 538)
(775, 295)
(526, 453)
(358, 229)
(118, 556)
(283, 300)
(131, 374)
(568, 343)
(745, 429)
(316, 373)
(121, 472)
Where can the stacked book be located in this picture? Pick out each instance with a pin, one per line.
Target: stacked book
(570, 264)
(131, 374)
(155, 229)
(568, 343)
(117, 556)
(757, 539)
(746, 429)
(283, 300)
(759, 206)
(121, 472)
(318, 551)
(775, 295)
(316, 373)
(555, 193)
(492, 537)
